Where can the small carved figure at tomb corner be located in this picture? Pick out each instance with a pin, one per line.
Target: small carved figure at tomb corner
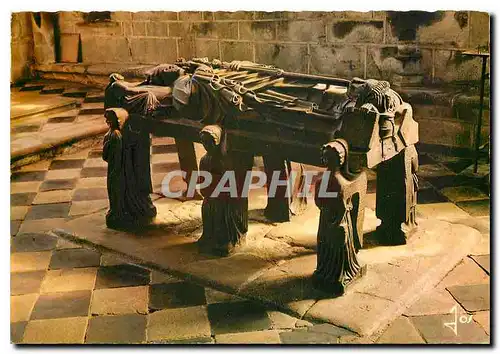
(225, 218)
(337, 264)
(113, 153)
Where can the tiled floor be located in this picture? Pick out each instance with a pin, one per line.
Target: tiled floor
(62, 293)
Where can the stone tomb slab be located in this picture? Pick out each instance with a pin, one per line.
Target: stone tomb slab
(281, 276)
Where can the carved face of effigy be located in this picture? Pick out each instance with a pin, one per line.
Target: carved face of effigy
(355, 88)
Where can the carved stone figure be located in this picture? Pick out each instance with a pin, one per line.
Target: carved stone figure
(112, 153)
(137, 168)
(341, 221)
(129, 173)
(225, 217)
(397, 182)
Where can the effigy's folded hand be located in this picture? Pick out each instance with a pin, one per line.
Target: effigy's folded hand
(237, 64)
(234, 65)
(205, 68)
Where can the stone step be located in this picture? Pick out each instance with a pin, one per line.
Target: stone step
(94, 98)
(92, 108)
(59, 106)
(92, 111)
(76, 92)
(49, 117)
(32, 87)
(55, 142)
(52, 89)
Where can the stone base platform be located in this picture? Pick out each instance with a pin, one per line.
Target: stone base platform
(276, 265)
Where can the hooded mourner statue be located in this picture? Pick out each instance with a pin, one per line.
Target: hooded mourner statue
(112, 153)
(225, 217)
(338, 234)
(126, 149)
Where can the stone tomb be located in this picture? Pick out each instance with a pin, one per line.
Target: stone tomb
(259, 110)
(240, 110)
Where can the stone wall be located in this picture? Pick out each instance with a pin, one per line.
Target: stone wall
(407, 47)
(21, 46)
(42, 24)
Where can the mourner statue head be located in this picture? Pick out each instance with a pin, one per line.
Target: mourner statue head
(115, 117)
(112, 119)
(334, 154)
(210, 137)
(115, 77)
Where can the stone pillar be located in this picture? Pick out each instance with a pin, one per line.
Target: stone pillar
(396, 202)
(278, 206)
(187, 161)
(281, 206)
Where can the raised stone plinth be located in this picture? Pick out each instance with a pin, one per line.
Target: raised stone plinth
(276, 265)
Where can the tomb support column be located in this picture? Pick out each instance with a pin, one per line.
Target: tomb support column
(187, 161)
(396, 197)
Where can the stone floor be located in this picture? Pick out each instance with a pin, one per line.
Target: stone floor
(46, 114)
(62, 293)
